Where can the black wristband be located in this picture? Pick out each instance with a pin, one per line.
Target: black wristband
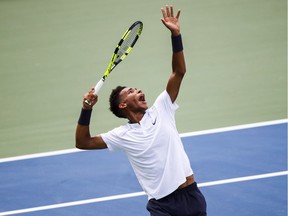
(85, 116)
(177, 45)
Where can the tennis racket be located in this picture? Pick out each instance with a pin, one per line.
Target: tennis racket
(123, 48)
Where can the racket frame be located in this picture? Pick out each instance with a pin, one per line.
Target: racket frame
(114, 61)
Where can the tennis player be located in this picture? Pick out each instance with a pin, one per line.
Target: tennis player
(150, 138)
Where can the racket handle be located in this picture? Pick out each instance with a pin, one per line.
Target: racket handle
(97, 88)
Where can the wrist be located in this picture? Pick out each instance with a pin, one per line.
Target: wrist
(85, 117)
(177, 45)
(175, 33)
(86, 107)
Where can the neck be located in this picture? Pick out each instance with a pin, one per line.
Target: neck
(135, 117)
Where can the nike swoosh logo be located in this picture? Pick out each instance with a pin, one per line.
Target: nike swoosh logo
(153, 123)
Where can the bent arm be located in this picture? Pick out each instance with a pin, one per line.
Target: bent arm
(82, 136)
(85, 141)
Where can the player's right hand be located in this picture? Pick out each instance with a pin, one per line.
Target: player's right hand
(91, 98)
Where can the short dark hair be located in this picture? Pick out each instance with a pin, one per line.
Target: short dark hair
(114, 101)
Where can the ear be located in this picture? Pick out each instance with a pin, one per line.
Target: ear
(122, 105)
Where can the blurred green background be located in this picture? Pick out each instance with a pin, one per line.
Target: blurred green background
(52, 52)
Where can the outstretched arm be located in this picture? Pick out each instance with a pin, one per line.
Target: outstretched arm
(82, 136)
(178, 61)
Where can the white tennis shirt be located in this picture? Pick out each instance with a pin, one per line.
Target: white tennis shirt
(154, 148)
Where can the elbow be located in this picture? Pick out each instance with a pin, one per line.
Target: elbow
(80, 144)
(183, 69)
(181, 73)
(180, 70)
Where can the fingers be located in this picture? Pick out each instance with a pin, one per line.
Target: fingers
(178, 14)
(169, 12)
(170, 21)
(90, 99)
(172, 11)
(92, 90)
(163, 13)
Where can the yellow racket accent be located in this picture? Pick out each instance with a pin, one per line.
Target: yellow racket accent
(123, 48)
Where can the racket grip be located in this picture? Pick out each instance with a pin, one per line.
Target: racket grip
(97, 88)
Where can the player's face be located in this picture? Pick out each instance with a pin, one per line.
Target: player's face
(134, 99)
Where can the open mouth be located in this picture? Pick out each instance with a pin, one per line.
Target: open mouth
(142, 98)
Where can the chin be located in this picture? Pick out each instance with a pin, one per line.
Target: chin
(145, 106)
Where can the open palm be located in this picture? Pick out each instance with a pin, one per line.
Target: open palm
(170, 21)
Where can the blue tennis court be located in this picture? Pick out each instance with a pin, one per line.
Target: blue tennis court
(241, 171)
(52, 52)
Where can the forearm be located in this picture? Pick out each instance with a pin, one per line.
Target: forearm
(82, 134)
(178, 60)
(178, 67)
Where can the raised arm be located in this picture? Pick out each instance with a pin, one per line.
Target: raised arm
(178, 61)
(82, 136)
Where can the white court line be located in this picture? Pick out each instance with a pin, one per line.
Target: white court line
(129, 195)
(197, 133)
(38, 155)
(233, 128)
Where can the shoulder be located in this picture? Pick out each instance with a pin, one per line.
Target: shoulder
(164, 101)
(117, 132)
(114, 138)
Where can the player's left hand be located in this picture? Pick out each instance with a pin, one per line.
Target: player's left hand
(170, 21)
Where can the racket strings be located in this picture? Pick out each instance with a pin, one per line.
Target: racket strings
(128, 43)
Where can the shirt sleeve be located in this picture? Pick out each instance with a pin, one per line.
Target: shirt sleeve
(164, 103)
(112, 139)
